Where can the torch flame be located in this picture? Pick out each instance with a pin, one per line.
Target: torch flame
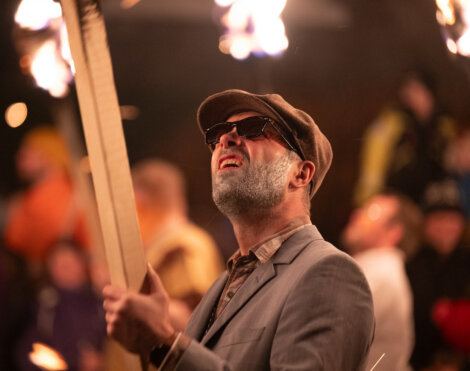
(446, 7)
(47, 358)
(464, 41)
(455, 15)
(253, 26)
(50, 71)
(36, 14)
(51, 64)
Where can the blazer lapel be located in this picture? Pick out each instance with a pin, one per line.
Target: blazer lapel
(200, 317)
(260, 276)
(255, 281)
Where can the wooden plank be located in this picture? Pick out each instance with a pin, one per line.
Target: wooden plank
(106, 146)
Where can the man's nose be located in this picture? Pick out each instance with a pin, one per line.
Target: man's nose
(230, 139)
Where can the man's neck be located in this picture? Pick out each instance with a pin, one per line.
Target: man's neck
(252, 229)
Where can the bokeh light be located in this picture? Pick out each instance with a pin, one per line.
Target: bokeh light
(16, 114)
(47, 358)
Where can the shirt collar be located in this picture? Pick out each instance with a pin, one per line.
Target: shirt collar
(264, 250)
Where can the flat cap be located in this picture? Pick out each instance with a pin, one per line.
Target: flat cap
(300, 126)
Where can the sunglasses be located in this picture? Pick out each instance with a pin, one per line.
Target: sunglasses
(249, 128)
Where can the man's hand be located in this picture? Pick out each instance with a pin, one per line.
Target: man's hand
(139, 321)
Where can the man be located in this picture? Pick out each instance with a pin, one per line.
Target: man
(288, 300)
(377, 236)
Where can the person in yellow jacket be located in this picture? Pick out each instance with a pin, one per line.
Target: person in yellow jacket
(403, 149)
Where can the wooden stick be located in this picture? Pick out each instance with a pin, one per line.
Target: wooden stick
(106, 146)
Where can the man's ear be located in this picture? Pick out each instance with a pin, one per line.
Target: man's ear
(303, 175)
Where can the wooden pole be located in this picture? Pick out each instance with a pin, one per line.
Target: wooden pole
(106, 146)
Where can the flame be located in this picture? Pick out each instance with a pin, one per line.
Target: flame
(454, 16)
(37, 14)
(446, 9)
(253, 27)
(51, 63)
(463, 43)
(50, 71)
(47, 358)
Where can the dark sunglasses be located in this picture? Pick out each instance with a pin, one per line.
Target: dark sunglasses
(249, 128)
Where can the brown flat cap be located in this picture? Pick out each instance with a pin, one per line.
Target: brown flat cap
(301, 127)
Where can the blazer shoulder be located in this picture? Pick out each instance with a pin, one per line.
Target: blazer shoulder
(309, 245)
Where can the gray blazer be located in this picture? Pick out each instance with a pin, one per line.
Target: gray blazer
(307, 308)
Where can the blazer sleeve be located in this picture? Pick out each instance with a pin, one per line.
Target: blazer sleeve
(327, 322)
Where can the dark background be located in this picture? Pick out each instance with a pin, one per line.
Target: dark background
(344, 62)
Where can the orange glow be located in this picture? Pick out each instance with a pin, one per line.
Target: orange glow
(47, 358)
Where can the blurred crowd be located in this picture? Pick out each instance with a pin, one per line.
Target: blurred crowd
(51, 268)
(409, 234)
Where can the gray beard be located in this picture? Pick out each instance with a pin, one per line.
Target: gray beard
(251, 189)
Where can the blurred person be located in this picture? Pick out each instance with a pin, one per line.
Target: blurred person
(404, 147)
(46, 210)
(458, 163)
(379, 235)
(184, 255)
(288, 299)
(439, 271)
(69, 316)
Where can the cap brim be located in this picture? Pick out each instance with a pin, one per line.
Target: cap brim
(219, 107)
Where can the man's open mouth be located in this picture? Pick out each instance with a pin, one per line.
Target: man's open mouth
(230, 161)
